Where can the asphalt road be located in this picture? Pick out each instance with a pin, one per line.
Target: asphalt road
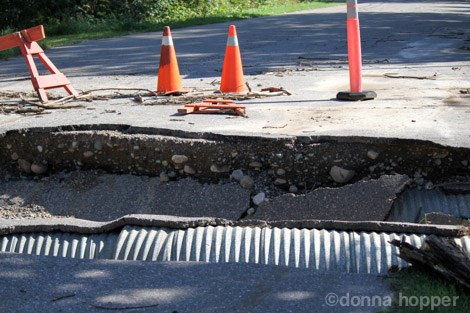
(45, 284)
(402, 32)
(422, 44)
(416, 57)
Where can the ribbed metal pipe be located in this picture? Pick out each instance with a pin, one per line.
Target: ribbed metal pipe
(323, 250)
(316, 249)
(60, 244)
(413, 204)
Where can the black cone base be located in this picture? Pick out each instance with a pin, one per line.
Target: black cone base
(356, 96)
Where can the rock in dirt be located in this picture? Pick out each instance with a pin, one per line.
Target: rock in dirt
(247, 182)
(280, 182)
(189, 170)
(341, 175)
(293, 189)
(250, 211)
(281, 171)
(371, 154)
(38, 169)
(259, 198)
(220, 168)
(164, 177)
(237, 174)
(179, 159)
(25, 166)
(255, 164)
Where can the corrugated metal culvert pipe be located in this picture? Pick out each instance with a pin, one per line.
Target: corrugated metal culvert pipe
(357, 252)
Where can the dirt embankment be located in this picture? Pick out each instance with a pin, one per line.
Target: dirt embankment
(71, 172)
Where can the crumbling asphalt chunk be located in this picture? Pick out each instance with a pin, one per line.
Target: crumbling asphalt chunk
(105, 197)
(445, 219)
(369, 200)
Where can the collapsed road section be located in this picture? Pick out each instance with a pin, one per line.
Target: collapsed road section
(315, 202)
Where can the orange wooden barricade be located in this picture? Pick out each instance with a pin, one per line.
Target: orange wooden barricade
(26, 40)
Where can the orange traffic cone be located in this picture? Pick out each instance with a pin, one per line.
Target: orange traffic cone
(169, 80)
(232, 72)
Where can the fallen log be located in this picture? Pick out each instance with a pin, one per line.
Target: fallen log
(438, 255)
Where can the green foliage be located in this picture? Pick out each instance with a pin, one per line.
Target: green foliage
(412, 283)
(71, 21)
(27, 13)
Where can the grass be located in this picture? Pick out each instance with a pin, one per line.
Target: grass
(77, 30)
(412, 283)
(291, 7)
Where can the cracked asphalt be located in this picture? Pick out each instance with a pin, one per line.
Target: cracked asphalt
(71, 285)
(416, 57)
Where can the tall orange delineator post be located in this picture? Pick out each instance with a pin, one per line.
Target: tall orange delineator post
(232, 80)
(26, 40)
(354, 58)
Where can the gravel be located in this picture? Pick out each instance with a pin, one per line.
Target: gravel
(14, 208)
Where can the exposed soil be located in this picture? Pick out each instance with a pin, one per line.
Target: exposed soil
(303, 162)
(105, 173)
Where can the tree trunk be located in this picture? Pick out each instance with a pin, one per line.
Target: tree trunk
(438, 255)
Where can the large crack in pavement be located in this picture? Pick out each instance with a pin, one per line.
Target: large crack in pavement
(91, 202)
(103, 173)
